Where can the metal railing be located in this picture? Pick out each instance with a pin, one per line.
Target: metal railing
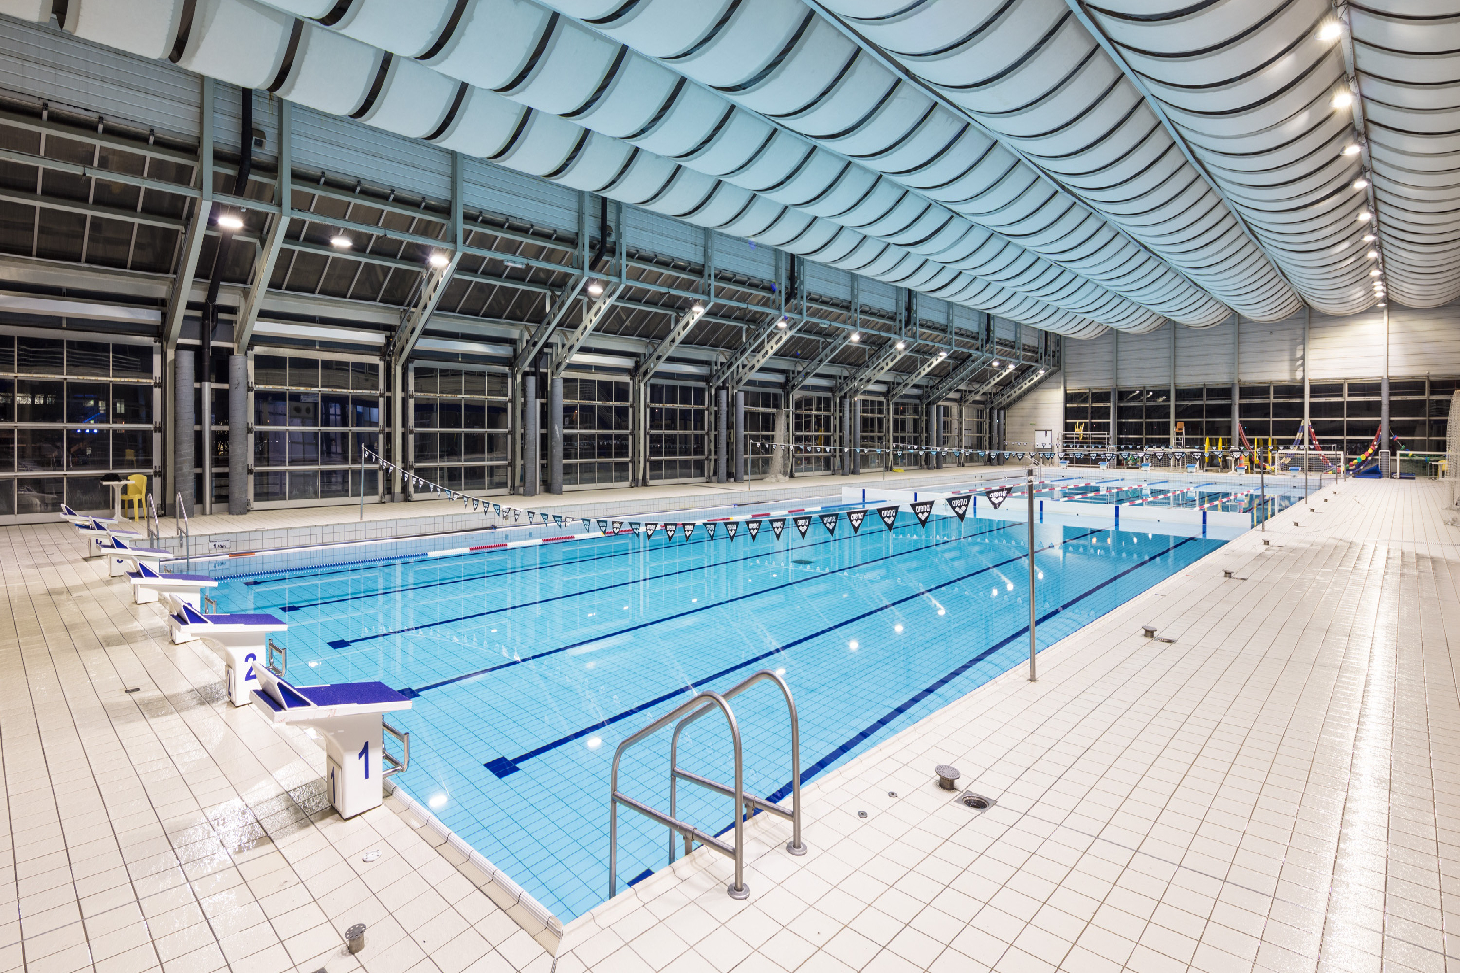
(210, 605)
(283, 653)
(184, 531)
(397, 765)
(745, 805)
(154, 529)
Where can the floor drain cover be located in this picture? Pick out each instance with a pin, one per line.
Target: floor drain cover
(861, 814)
(892, 793)
(134, 689)
(976, 802)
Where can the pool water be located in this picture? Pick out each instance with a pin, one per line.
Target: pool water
(529, 665)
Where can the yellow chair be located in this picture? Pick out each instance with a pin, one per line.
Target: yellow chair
(134, 493)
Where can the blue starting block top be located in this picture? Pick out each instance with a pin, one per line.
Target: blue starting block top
(363, 694)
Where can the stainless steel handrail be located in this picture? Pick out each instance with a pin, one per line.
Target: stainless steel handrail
(398, 766)
(691, 834)
(283, 652)
(796, 846)
(154, 528)
(210, 604)
(184, 530)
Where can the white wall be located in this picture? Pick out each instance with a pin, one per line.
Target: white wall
(1421, 342)
(1044, 408)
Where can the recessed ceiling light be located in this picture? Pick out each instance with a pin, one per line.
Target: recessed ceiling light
(1369, 238)
(1376, 272)
(231, 221)
(1352, 149)
(1342, 99)
(1331, 31)
(1372, 255)
(1364, 216)
(438, 260)
(1361, 183)
(1381, 304)
(341, 242)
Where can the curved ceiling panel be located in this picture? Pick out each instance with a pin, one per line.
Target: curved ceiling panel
(1030, 71)
(1407, 55)
(1251, 88)
(782, 60)
(548, 62)
(406, 97)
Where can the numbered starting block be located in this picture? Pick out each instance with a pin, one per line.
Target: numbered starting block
(71, 515)
(100, 535)
(242, 639)
(351, 717)
(124, 558)
(187, 589)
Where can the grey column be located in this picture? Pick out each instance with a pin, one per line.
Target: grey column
(555, 435)
(531, 466)
(1384, 441)
(856, 420)
(937, 434)
(1236, 377)
(722, 398)
(844, 416)
(1114, 394)
(741, 469)
(238, 434)
(1171, 396)
(182, 433)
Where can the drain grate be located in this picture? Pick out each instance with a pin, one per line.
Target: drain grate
(975, 802)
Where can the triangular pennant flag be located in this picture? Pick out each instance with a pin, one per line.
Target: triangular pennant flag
(618, 525)
(997, 495)
(888, 515)
(752, 527)
(587, 524)
(829, 522)
(465, 501)
(558, 520)
(710, 530)
(959, 505)
(778, 525)
(802, 523)
(603, 527)
(496, 510)
(855, 518)
(669, 530)
(922, 509)
(649, 530)
(688, 530)
(476, 504)
(634, 528)
(732, 528)
(516, 513)
(530, 515)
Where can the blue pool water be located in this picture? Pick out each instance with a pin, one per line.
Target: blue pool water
(529, 665)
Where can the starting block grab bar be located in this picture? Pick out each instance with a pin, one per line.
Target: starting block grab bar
(393, 764)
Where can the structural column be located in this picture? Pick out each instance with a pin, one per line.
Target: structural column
(531, 465)
(1114, 392)
(1384, 440)
(238, 451)
(855, 405)
(721, 407)
(1171, 396)
(742, 471)
(937, 434)
(1236, 379)
(555, 435)
(182, 433)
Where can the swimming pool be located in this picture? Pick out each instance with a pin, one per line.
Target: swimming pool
(528, 665)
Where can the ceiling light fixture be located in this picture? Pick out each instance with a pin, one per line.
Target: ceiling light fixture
(1331, 31)
(230, 221)
(1343, 99)
(1352, 148)
(781, 323)
(514, 264)
(1376, 272)
(438, 260)
(341, 242)
(1361, 183)
(900, 346)
(1364, 216)
(1369, 238)
(1372, 255)
(595, 288)
(697, 308)
(942, 354)
(856, 337)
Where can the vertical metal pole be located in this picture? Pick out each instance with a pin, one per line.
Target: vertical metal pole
(362, 481)
(555, 435)
(1033, 613)
(238, 418)
(741, 466)
(1307, 405)
(1262, 483)
(722, 399)
(1385, 453)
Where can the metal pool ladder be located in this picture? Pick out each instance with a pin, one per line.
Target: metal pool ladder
(745, 804)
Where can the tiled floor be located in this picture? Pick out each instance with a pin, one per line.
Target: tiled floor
(1275, 789)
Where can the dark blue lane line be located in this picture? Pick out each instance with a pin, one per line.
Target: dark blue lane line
(922, 694)
(412, 693)
(503, 766)
(345, 643)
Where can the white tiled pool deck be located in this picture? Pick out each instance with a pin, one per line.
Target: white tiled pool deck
(1276, 789)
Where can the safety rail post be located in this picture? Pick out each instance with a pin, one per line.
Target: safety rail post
(736, 889)
(283, 653)
(184, 530)
(796, 846)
